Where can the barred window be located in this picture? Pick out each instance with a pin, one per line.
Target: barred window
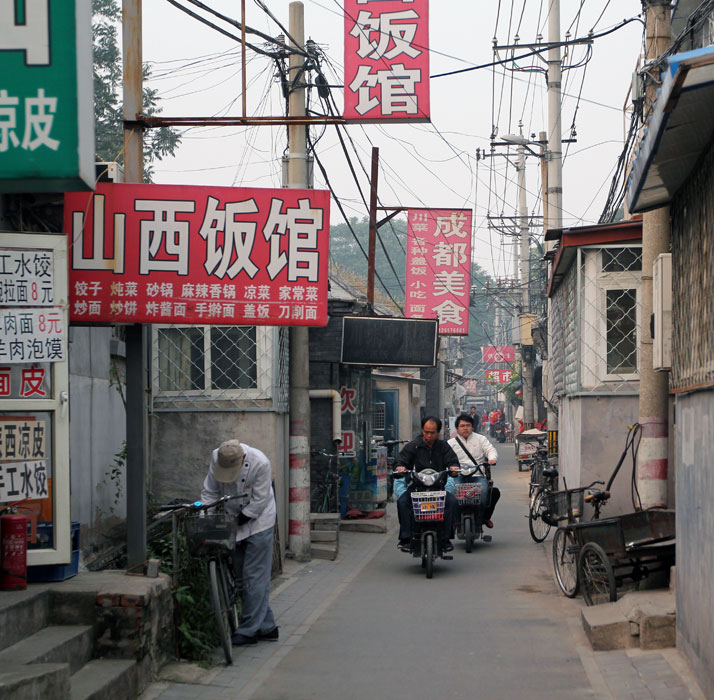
(205, 358)
(621, 330)
(621, 259)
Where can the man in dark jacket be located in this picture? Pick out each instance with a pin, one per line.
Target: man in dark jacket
(426, 451)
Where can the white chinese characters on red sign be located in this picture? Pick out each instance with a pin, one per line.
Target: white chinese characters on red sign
(386, 60)
(499, 353)
(439, 268)
(498, 376)
(179, 254)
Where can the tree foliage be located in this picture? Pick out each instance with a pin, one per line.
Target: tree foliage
(109, 135)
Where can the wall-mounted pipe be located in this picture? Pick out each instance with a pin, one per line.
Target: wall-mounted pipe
(336, 409)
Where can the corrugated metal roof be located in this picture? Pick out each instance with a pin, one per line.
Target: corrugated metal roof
(679, 129)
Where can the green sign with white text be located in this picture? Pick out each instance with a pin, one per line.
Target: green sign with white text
(46, 96)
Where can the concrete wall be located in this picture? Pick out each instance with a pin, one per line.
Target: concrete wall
(97, 427)
(695, 528)
(182, 442)
(592, 434)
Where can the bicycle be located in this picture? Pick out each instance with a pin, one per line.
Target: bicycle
(538, 491)
(568, 504)
(213, 537)
(324, 494)
(391, 458)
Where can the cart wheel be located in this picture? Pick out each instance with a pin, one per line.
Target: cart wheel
(538, 527)
(596, 575)
(565, 562)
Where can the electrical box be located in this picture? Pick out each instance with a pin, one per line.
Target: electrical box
(527, 321)
(662, 312)
(109, 172)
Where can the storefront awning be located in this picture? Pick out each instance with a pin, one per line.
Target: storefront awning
(680, 128)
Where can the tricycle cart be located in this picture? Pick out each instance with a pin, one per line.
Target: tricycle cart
(527, 445)
(630, 546)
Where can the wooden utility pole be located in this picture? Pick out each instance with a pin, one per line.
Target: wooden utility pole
(136, 334)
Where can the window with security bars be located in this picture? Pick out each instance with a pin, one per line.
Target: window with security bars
(621, 330)
(206, 358)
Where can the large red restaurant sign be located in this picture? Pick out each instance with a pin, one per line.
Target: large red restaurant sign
(386, 60)
(198, 255)
(439, 268)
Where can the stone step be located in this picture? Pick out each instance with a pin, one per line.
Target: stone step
(22, 613)
(35, 681)
(71, 644)
(365, 525)
(324, 535)
(105, 679)
(324, 550)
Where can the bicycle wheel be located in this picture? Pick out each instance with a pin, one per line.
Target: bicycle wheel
(220, 608)
(429, 554)
(538, 527)
(230, 586)
(565, 562)
(596, 575)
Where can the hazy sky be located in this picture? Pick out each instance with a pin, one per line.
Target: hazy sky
(197, 72)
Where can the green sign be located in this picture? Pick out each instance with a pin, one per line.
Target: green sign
(46, 96)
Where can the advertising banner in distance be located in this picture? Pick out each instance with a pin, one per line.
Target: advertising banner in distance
(198, 255)
(387, 60)
(498, 376)
(439, 267)
(498, 353)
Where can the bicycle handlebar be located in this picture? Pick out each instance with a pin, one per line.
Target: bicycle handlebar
(198, 505)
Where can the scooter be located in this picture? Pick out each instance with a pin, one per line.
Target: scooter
(499, 432)
(428, 501)
(473, 494)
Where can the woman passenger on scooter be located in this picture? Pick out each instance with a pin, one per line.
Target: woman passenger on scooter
(479, 447)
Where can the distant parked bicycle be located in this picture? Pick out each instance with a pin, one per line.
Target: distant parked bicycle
(213, 538)
(391, 446)
(538, 525)
(324, 495)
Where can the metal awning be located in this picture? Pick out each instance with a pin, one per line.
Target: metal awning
(680, 128)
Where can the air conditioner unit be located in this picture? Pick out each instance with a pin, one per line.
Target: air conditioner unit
(662, 312)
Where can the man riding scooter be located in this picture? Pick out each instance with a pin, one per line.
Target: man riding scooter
(472, 449)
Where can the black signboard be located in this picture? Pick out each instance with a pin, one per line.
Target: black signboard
(393, 342)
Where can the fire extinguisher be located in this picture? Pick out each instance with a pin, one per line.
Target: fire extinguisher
(13, 552)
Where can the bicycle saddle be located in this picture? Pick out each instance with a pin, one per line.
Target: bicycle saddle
(550, 472)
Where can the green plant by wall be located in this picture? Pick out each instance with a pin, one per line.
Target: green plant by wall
(113, 478)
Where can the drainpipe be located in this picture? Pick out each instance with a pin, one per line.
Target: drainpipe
(336, 409)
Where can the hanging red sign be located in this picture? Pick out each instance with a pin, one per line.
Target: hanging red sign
(499, 353)
(387, 60)
(198, 255)
(498, 376)
(439, 268)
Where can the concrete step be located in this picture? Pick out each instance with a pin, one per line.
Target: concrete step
(324, 535)
(365, 525)
(70, 644)
(644, 619)
(35, 681)
(105, 679)
(22, 613)
(324, 550)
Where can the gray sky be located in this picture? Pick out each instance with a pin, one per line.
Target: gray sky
(197, 72)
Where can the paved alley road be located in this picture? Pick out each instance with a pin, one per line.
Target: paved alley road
(491, 624)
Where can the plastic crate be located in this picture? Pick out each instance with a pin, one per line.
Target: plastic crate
(55, 572)
(428, 505)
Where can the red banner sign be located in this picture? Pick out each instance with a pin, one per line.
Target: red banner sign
(198, 255)
(498, 376)
(439, 268)
(387, 60)
(499, 353)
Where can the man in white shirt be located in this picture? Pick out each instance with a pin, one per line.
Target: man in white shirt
(238, 468)
(466, 442)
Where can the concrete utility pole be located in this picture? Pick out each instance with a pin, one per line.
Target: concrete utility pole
(652, 457)
(136, 334)
(299, 480)
(372, 247)
(553, 213)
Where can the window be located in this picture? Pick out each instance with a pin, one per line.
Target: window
(204, 358)
(621, 330)
(621, 259)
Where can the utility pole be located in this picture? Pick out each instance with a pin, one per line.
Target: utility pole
(553, 214)
(652, 456)
(525, 264)
(299, 479)
(372, 247)
(136, 334)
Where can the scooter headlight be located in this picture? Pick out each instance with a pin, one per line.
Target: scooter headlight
(427, 477)
(467, 471)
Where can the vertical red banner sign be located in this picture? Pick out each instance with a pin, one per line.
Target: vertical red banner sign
(439, 268)
(387, 60)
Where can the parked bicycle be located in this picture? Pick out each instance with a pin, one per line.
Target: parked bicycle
(392, 452)
(211, 536)
(539, 490)
(324, 495)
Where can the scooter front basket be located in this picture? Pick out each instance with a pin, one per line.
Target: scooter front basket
(428, 505)
(468, 494)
